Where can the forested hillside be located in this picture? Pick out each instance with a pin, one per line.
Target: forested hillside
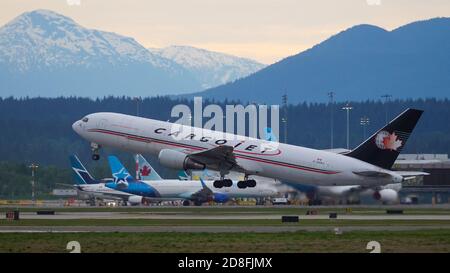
(39, 130)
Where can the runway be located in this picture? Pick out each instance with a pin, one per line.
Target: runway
(237, 216)
(206, 229)
(195, 220)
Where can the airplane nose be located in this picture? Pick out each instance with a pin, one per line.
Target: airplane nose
(76, 126)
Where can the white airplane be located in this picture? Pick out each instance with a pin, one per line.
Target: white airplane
(91, 189)
(158, 189)
(387, 194)
(185, 147)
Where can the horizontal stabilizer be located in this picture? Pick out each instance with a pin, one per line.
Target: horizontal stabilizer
(411, 174)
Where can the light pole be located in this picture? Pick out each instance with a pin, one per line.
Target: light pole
(347, 107)
(364, 121)
(331, 96)
(138, 100)
(285, 118)
(387, 98)
(33, 168)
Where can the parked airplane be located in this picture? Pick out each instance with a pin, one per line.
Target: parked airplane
(387, 194)
(91, 189)
(185, 147)
(173, 189)
(145, 170)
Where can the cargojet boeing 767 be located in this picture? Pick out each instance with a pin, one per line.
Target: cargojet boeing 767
(184, 147)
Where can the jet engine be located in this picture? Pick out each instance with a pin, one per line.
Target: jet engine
(178, 160)
(386, 196)
(135, 200)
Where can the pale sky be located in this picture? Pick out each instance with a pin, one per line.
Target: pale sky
(264, 30)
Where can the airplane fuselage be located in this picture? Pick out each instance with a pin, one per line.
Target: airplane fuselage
(286, 162)
(102, 191)
(176, 189)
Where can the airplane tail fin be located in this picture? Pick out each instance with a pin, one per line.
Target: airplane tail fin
(146, 171)
(81, 175)
(119, 172)
(383, 147)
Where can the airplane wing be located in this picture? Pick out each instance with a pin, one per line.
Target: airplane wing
(220, 158)
(205, 194)
(67, 185)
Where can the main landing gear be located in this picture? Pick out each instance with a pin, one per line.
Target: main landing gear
(223, 183)
(251, 183)
(246, 183)
(95, 151)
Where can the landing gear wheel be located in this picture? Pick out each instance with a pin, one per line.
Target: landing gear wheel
(251, 183)
(242, 184)
(228, 182)
(95, 157)
(218, 184)
(186, 203)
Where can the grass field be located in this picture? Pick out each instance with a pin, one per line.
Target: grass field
(405, 241)
(426, 240)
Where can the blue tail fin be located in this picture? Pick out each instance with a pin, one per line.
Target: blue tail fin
(203, 184)
(119, 172)
(146, 171)
(81, 175)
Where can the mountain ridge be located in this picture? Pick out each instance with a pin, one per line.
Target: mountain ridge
(359, 63)
(210, 68)
(43, 53)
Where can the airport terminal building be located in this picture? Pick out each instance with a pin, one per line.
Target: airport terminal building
(430, 189)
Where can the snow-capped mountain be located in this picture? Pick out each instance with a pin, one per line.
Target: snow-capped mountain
(209, 68)
(43, 53)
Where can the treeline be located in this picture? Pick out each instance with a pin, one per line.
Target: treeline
(39, 129)
(15, 179)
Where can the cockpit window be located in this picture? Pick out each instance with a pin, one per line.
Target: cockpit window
(85, 119)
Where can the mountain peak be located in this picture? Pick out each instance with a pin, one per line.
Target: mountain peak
(47, 14)
(363, 37)
(361, 32)
(43, 42)
(44, 38)
(43, 18)
(365, 27)
(433, 24)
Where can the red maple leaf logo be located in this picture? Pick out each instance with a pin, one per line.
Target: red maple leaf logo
(145, 171)
(392, 142)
